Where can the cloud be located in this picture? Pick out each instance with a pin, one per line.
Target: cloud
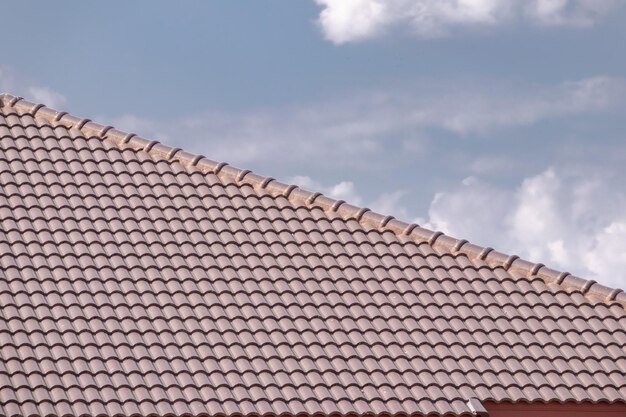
(475, 111)
(573, 219)
(386, 202)
(344, 190)
(578, 13)
(46, 95)
(366, 125)
(345, 21)
(12, 83)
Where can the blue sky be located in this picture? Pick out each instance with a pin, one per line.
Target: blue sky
(499, 121)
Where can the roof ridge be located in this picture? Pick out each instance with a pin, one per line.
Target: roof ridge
(294, 193)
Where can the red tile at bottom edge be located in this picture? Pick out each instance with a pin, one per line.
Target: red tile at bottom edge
(555, 409)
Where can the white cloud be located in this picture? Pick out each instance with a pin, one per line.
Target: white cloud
(361, 127)
(353, 20)
(469, 210)
(12, 83)
(346, 20)
(46, 95)
(344, 190)
(392, 203)
(574, 220)
(607, 256)
(386, 203)
(474, 111)
(581, 13)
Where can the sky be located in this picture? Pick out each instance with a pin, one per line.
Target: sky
(499, 121)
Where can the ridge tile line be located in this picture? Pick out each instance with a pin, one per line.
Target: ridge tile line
(436, 239)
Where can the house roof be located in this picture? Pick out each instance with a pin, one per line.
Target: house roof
(138, 280)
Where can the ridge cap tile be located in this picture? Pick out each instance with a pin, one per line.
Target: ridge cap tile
(141, 279)
(448, 243)
(239, 174)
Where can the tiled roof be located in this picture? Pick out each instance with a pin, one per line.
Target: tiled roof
(139, 280)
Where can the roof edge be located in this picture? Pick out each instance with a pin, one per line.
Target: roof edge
(296, 194)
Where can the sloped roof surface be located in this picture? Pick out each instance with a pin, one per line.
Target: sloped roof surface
(136, 279)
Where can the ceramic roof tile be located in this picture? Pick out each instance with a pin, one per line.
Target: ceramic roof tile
(139, 280)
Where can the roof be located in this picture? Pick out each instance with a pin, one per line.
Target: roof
(138, 280)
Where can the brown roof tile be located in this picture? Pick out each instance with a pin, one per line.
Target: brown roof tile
(137, 279)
